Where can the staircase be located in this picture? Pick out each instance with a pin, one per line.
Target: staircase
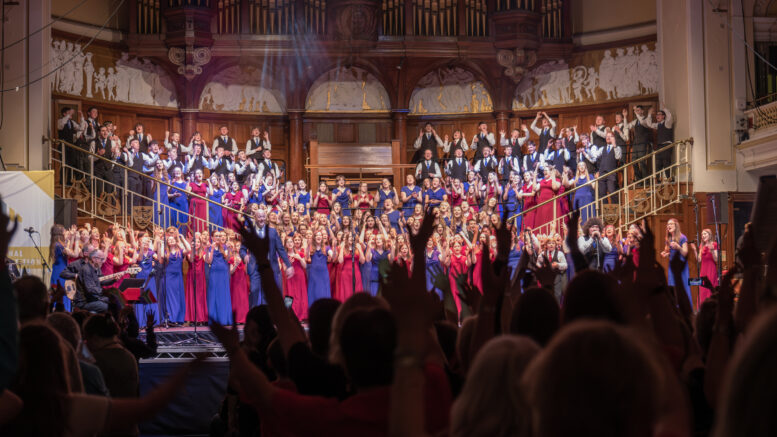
(637, 198)
(103, 201)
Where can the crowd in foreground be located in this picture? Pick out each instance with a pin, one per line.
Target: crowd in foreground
(623, 354)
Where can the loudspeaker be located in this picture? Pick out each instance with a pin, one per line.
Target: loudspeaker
(717, 208)
(66, 212)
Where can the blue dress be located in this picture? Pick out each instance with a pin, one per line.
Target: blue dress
(180, 205)
(219, 299)
(670, 279)
(344, 199)
(60, 262)
(304, 199)
(513, 206)
(408, 206)
(318, 277)
(584, 199)
(147, 272)
(161, 209)
(377, 257)
(610, 259)
(382, 197)
(366, 272)
(175, 300)
(214, 212)
(433, 265)
(438, 194)
(393, 217)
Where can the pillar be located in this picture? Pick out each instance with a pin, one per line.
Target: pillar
(295, 145)
(502, 125)
(188, 124)
(400, 131)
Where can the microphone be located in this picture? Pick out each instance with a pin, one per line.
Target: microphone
(30, 230)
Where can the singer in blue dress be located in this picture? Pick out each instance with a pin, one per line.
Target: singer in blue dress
(377, 256)
(342, 195)
(584, 196)
(677, 245)
(161, 201)
(146, 264)
(219, 297)
(215, 193)
(179, 201)
(510, 198)
(433, 266)
(318, 272)
(385, 192)
(60, 262)
(175, 300)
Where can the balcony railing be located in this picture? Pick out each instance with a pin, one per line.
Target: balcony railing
(763, 113)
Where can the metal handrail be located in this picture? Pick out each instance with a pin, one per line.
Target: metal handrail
(687, 141)
(140, 173)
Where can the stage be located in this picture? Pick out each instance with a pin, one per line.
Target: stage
(191, 411)
(183, 342)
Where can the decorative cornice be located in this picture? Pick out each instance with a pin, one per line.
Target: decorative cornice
(88, 30)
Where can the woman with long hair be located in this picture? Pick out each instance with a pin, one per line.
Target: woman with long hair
(411, 195)
(348, 269)
(234, 200)
(677, 245)
(147, 257)
(319, 255)
(322, 201)
(219, 295)
(198, 208)
(385, 191)
(196, 307)
(363, 199)
(546, 189)
(707, 254)
(297, 286)
(175, 300)
(160, 195)
(583, 196)
(342, 195)
(59, 252)
(611, 257)
(238, 282)
(529, 198)
(215, 194)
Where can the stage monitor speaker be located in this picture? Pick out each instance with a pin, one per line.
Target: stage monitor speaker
(717, 208)
(66, 212)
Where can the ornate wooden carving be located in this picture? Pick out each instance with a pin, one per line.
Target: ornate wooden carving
(355, 19)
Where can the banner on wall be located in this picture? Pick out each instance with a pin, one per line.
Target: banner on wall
(29, 196)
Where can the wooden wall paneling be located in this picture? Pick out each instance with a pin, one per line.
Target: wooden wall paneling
(345, 133)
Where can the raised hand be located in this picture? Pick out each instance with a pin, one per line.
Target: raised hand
(6, 234)
(229, 338)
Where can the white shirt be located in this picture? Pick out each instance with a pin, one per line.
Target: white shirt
(538, 130)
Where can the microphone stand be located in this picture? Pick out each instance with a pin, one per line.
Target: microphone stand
(44, 264)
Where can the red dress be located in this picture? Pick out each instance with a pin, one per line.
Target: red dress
(458, 266)
(238, 290)
(544, 217)
(297, 287)
(345, 274)
(195, 277)
(455, 198)
(528, 202)
(107, 267)
(198, 207)
(709, 268)
(323, 205)
(562, 207)
(364, 201)
(230, 218)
